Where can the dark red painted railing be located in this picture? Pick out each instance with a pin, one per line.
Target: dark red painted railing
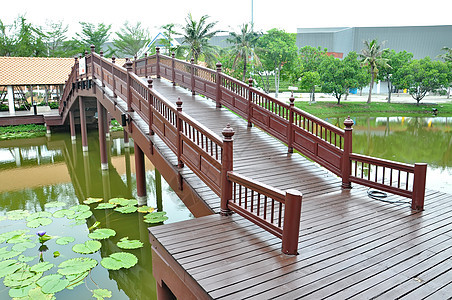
(317, 139)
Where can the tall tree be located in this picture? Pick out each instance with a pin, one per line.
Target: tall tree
(277, 49)
(372, 57)
(196, 36)
(93, 34)
(130, 39)
(169, 32)
(448, 55)
(395, 61)
(243, 44)
(54, 37)
(422, 76)
(7, 39)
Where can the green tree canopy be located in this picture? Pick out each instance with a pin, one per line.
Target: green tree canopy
(243, 44)
(130, 40)
(278, 52)
(422, 76)
(55, 36)
(93, 34)
(196, 36)
(169, 32)
(372, 57)
(395, 61)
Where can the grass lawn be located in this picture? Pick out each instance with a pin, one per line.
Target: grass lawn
(332, 109)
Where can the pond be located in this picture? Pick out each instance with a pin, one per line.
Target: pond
(52, 176)
(408, 140)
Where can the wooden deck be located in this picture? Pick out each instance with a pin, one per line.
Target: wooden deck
(350, 245)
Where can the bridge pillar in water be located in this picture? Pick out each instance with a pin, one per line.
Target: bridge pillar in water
(140, 174)
(72, 125)
(101, 122)
(83, 124)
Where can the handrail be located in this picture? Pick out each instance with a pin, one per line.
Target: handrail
(324, 143)
(277, 212)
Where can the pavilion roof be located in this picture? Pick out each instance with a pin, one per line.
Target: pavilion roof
(34, 70)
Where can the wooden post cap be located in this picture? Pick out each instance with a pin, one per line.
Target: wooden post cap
(179, 104)
(150, 81)
(250, 82)
(113, 59)
(348, 122)
(128, 64)
(219, 65)
(228, 132)
(93, 48)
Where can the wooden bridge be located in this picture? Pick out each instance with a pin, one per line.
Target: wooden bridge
(196, 126)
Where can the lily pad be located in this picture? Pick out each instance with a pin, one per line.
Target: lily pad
(155, 217)
(119, 260)
(7, 254)
(102, 233)
(17, 214)
(76, 279)
(145, 209)
(64, 240)
(92, 200)
(81, 215)
(80, 207)
(76, 265)
(21, 278)
(101, 294)
(125, 243)
(23, 246)
(53, 283)
(39, 222)
(37, 294)
(105, 206)
(10, 266)
(87, 247)
(123, 201)
(21, 292)
(24, 258)
(38, 215)
(63, 213)
(19, 238)
(126, 209)
(54, 204)
(42, 266)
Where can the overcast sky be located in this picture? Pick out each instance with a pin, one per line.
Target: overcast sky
(287, 15)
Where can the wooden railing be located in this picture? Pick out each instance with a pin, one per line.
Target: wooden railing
(317, 139)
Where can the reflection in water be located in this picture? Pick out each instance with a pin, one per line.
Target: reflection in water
(81, 177)
(408, 140)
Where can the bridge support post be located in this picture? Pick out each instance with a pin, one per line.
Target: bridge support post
(173, 71)
(226, 166)
(101, 116)
(72, 125)
(218, 79)
(346, 164)
(83, 124)
(290, 127)
(420, 175)
(250, 102)
(157, 55)
(140, 174)
(192, 75)
(126, 139)
(292, 216)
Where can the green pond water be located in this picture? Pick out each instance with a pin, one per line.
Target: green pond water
(409, 140)
(39, 171)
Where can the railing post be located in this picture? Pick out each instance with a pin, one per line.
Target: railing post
(92, 60)
(84, 84)
(113, 60)
(218, 79)
(192, 74)
(129, 85)
(226, 166)
(346, 163)
(76, 72)
(157, 55)
(290, 127)
(145, 64)
(180, 164)
(173, 70)
(151, 106)
(420, 175)
(135, 64)
(291, 227)
(250, 102)
(102, 68)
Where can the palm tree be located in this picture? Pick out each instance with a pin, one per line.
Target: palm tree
(243, 46)
(196, 36)
(372, 57)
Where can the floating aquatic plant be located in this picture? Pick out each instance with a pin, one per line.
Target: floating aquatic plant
(102, 233)
(125, 243)
(119, 260)
(88, 247)
(92, 200)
